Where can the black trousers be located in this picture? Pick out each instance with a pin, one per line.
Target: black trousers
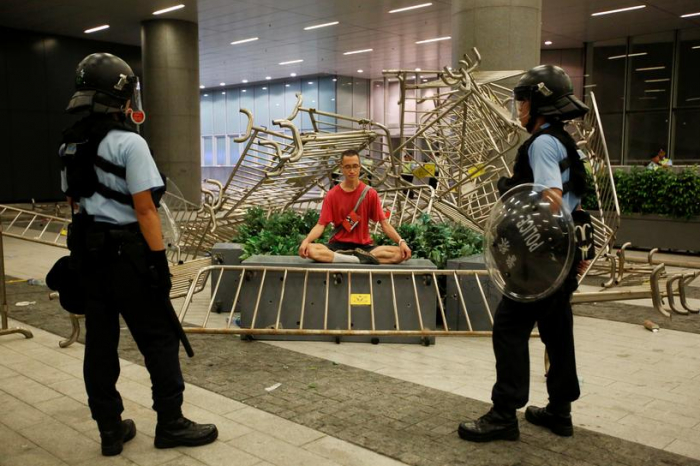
(512, 326)
(116, 284)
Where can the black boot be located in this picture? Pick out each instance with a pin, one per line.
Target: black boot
(113, 439)
(183, 432)
(494, 425)
(556, 420)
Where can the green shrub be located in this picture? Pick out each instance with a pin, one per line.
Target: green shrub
(438, 242)
(281, 234)
(662, 192)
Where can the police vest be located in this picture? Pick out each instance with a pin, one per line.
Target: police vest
(80, 159)
(522, 171)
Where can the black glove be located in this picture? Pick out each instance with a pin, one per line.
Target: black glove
(160, 271)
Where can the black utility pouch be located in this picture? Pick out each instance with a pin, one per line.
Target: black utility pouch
(584, 236)
(77, 232)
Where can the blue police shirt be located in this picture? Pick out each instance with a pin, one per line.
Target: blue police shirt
(125, 149)
(545, 153)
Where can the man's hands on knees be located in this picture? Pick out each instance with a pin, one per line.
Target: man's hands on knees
(405, 250)
(304, 249)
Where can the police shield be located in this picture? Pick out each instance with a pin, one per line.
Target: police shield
(529, 243)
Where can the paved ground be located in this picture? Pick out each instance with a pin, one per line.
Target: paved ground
(407, 421)
(354, 404)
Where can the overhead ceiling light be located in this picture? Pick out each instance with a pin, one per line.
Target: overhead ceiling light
(268, 77)
(690, 15)
(425, 80)
(168, 10)
(98, 28)
(418, 69)
(654, 90)
(588, 86)
(243, 90)
(640, 54)
(660, 80)
(222, 84)
(206, 95)
(244, 81)
(436, 39)
(399, 10)
(243, 41)
(692, 99)
(335, 79)
(651, 68)
(292, 74)
(360, 71)
(311, 82)
(223, 93)
(695, 47)
(286, 85)
(201, 87)
(290, 62)
(357, 51)
(264, 88)
(548, 42)
(619, 10)
(308, 28)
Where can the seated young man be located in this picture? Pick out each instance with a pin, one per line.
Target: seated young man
(351, 241)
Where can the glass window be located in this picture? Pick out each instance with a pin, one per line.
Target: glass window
(219, 106)
(612, 127)
(291, 88)
(261, 114)
(208, 154)
(235, 150)
(277, 102)
(360, 98)
(205, 109)
(246, 100)
(686, 146)
(233, 116)
(221, 150)
(689, 69)
(651, 65)
(607, 75)
(344, 95)
(377, 107)
(309, 89)
(647, 133)
(326, 101)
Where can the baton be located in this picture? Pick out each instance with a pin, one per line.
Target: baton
(177, 326)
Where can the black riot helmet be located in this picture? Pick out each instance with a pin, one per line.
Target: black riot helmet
(103, 84)
(549, 90)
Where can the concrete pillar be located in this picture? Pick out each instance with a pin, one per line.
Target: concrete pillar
(507, 33)
(170, 54)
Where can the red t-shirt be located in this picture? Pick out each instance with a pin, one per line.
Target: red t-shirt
(338, 204)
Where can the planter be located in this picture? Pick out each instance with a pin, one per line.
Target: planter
(648, 231)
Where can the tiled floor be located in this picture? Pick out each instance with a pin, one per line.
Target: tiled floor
(44, 418)
(636, 385)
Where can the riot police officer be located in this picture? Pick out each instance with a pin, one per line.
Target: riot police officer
(544, 100)
(116, 240)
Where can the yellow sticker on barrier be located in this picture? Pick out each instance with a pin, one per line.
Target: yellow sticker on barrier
(360, 299)
(424, 171)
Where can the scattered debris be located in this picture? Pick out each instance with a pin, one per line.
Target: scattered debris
(273, 387)
(25, 303)
(651, 326)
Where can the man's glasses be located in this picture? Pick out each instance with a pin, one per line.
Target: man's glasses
(351, 167)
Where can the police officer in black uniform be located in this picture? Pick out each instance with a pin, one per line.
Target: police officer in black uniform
(544, 98)
(116, 242)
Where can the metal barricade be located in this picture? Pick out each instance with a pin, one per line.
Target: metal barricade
(358, 287)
